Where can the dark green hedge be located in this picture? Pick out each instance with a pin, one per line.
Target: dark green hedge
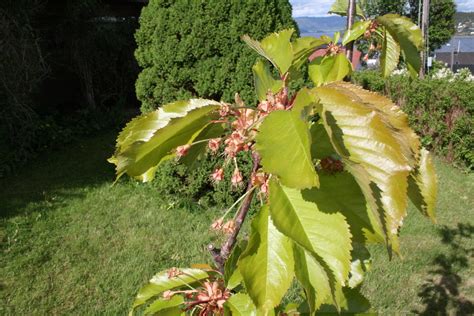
(440, 111)
(193, 48)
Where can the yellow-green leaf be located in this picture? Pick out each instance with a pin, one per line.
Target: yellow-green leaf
(276, 48)
(339, 7)
(390, 53)
(327, 69)
(264, 80)
(325, 236)
(361, 263)
(408, 36)
(162, 282)
(162, 306)
(149, 139)
(232, 275)
(241, 304)
(313, 278)
(267, 264)
(422, 185)
(374, 148)
(284, 144)
(356, 31)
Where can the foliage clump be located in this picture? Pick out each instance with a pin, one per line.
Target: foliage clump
(333, 169)
(193, 48)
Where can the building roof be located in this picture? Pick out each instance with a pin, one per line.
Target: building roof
(463, 43)
(458, 58)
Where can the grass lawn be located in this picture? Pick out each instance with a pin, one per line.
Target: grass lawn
(73, 244)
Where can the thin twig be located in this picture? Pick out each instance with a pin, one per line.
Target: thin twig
(220, 257)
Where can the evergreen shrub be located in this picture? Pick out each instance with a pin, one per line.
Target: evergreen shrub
(193, 48)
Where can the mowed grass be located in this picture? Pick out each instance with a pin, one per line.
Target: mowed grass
(73, 244)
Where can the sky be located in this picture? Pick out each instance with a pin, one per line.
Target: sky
(321, 7)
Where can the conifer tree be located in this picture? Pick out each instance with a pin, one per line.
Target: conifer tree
(191, 48)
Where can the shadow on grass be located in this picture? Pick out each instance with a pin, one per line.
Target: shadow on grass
(57, 176)
(441, 293)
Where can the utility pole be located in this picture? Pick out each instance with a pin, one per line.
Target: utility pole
(424, 30)
(351, 12)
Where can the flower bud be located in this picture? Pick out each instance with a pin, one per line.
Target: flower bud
(182, 150)
(218, 175)
(229, 227)
(214, 144)
(236, 177)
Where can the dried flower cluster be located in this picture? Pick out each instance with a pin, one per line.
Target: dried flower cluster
(332, 49)
(242, 123)
(209, 298)
(227, 228)
(331, 165)
(372, 29)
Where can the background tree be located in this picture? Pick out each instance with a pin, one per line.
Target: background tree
(193, 48)
(381, 7)
(441, 20)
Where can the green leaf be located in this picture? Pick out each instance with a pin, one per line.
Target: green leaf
(390, 53)
(357, 30)
(276, 48)
(197, 152)
(321, 146)
(350, 301)
(339, 7)
(327, 69)
(374, 149)
(340, 193)
(161, 305)
(313, 278)
(241, 304)
(264, 80)
(361, 263)
(325, 235)
(303, 103)
(291, 309)
(303, 47)
(408, 36)
(232, 275)
(336, 37)
(149, 139)
(422, 186)
(283, 142)
(234, 280)
(161, 282)
(267, 264)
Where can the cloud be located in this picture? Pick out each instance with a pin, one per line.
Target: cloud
(311, 7)
(321, 7)
(465, 5)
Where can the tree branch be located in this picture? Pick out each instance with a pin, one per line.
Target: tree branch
(220, 257)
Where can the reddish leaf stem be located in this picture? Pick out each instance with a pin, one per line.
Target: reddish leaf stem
(220, 257)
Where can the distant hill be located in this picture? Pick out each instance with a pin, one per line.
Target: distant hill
(317, 26)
